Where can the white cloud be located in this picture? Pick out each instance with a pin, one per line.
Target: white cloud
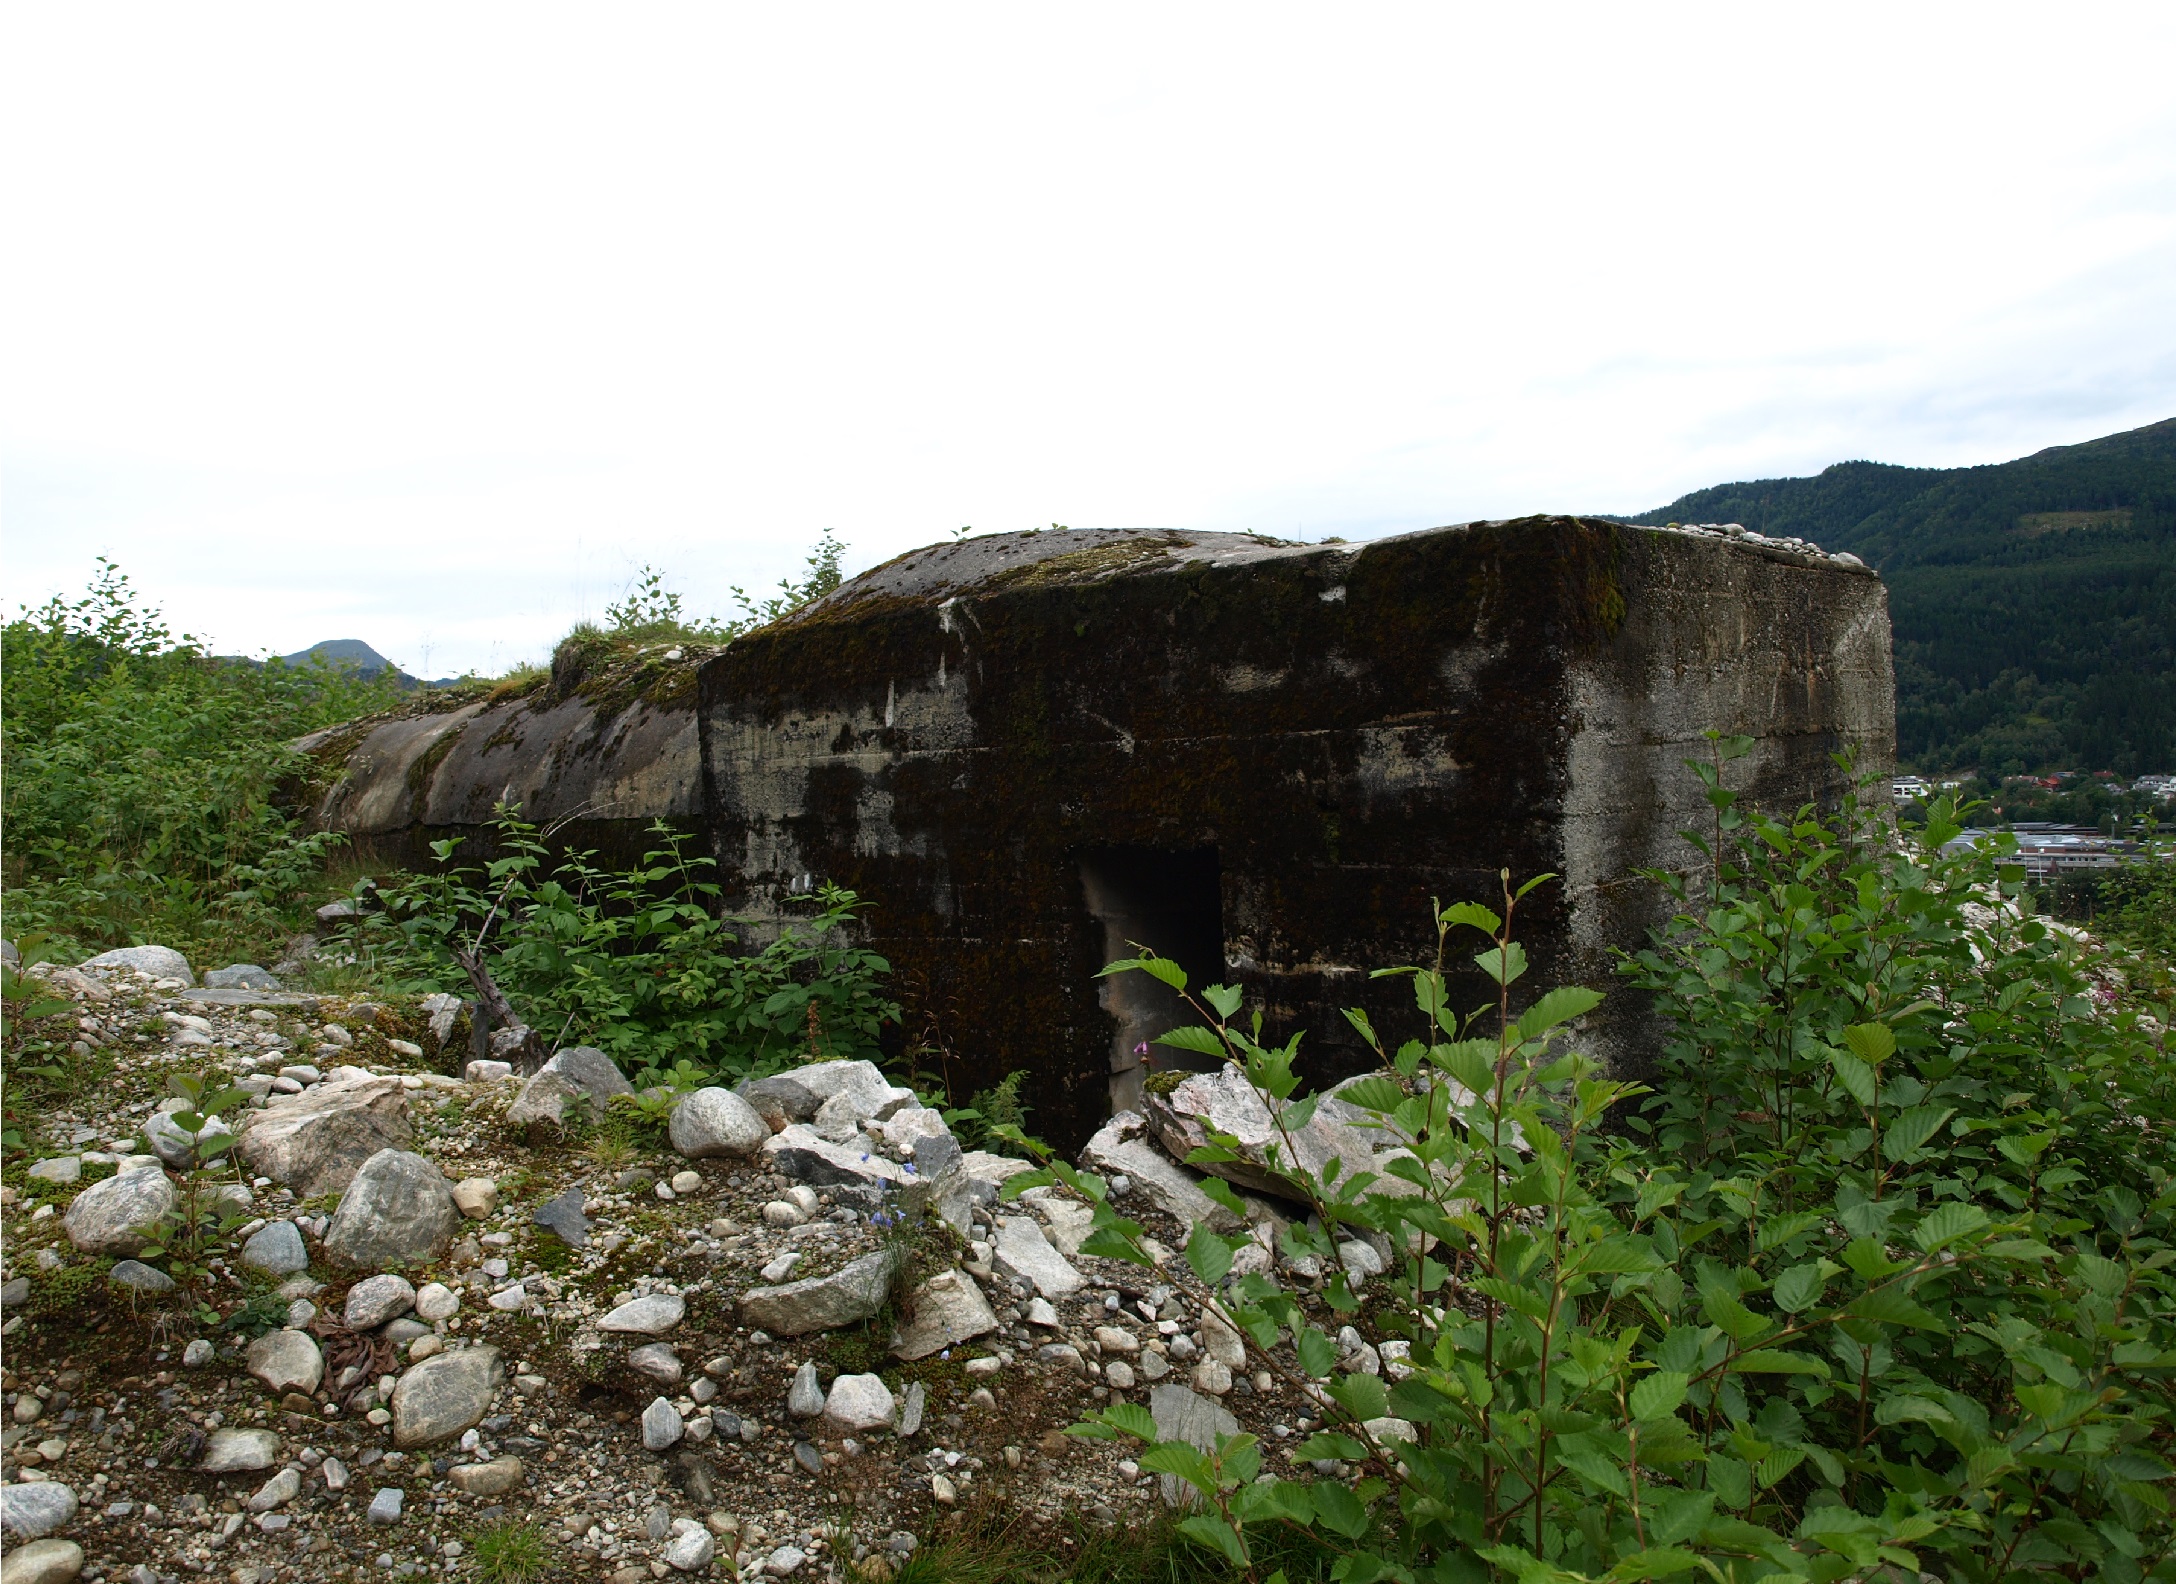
(428, 326)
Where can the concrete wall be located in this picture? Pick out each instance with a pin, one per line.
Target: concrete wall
(599, 767)
(1027, 750)
(1349, 730)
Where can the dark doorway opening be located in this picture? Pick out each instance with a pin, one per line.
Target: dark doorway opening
(1172, 903)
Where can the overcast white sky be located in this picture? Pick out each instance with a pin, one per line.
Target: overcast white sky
(428, 325)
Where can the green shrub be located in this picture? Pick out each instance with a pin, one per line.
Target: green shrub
(1874, 1281)
(992, 1114)
(142, 797)
(635, 962)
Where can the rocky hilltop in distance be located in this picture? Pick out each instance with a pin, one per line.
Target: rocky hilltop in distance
(357, 655)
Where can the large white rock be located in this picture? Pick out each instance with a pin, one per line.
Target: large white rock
(849, 1093)
(779, 1099)
(662, 1425)
(1021, 1251)
(239, 1452)
(848, 1296)
(860, 1402)
(42, 1562)
(377, 1299)
(35, 1510)
(651, 1315)
(691, 1548)
(908, 1125)
(180, 1149)
(714, 1122)
(805, 1155)
(398, 1211)
(1225, 1102)
(276, 1248)
(121, 1215)
(988, 1173)
(445, 1395)
(1066, 1222)
(277, 1491)
(1184, 1415)
(946, 1310)
(315, 1142)
(287, 1361)
(580, 1075)
(161, 962)
(1118, 1149)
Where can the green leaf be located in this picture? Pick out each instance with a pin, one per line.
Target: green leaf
(1471, 1062)
(1872, 1043)
(1658, 1562)
(1373, 1093)
(1187, 1463)
(1215, 1532)
(1132, 1419)
(1908, 1134)
(1209, 1254)
(1340, 1510)
(1222, 1192)
(1223, 999)
(1777, 1361)
(1659, 1394)
(1946, 1223)
(1203, 1042)
(1330, 1444)
(1800, 1287)
(1503, 964)
(1558, 1006)
(1856, 1077)
(1469, 913)
(1891, 1307)
(1318, 1356)
(1361, 1395)
(1148, 962)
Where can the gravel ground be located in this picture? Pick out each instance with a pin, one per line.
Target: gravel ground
(116, 1395)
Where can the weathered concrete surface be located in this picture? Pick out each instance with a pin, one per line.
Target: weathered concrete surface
(1027, 750)
(608, 754)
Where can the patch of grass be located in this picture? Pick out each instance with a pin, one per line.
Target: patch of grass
(73, 1291)
(610, 1149)
(509, 1552)
(988, 1544)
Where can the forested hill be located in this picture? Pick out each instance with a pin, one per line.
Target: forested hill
(2034, 601)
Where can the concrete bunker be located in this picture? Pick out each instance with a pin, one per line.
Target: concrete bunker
(1260, 758)
(1024, 747)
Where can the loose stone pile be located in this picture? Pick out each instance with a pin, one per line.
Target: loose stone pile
(458, 1300)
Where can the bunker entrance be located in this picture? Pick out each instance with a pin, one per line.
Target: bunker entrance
(1172, 903)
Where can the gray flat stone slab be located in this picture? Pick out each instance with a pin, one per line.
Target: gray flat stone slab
(848, 1296)
(564, 1217)
(271, 1000)
(35, 1510)
(1022, 1251)
(239, 1452)
(652, 1315)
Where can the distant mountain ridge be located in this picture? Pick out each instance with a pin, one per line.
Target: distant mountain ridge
(2034, 601)
(354, 653)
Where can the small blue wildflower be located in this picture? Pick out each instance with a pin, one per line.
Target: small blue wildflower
(910, 1168)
